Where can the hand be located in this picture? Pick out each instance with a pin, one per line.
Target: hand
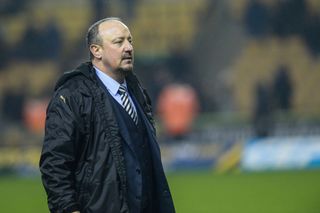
(75, 212)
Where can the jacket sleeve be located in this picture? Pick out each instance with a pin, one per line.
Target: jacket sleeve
(57, 162)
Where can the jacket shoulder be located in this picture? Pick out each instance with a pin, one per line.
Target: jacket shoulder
(78, 85)
(73, 95)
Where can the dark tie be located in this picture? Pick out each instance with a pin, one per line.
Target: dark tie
(127, 105)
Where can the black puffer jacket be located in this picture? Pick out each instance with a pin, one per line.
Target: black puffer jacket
(82, 163)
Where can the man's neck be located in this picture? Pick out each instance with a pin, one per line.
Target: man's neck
(114, 74)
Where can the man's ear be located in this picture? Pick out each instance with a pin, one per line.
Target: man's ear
(96, 50)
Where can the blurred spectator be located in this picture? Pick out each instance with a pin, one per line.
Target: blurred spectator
(99, 9)
(179, 62)
(157, 79)
(12, 6)
(34, 114)
(30, 45)
(161, 77)
(289, 18)
(40, 43)
(177, 107)
(12, 105)
(262, 117)
(130, 7)
(282, 89)
(4, 53)
(257, 18)
(52, 41)
(312, 34)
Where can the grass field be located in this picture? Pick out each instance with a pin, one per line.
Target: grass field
(202, 192)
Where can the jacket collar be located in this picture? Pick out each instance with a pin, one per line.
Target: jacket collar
(87, 70)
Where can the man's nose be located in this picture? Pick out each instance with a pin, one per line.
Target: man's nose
(128, 47)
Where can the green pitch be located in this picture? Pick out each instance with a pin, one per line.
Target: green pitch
(273, 192)
(204, 192)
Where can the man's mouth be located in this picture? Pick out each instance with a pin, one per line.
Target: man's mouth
(127, 59)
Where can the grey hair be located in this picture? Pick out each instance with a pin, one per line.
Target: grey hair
(93, 36)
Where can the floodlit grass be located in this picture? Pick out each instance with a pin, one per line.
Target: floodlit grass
(273, 192)
(22, 195)
(201, 192)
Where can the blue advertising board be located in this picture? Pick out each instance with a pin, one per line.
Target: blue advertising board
(281, 153)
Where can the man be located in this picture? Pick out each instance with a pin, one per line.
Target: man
(99, 153)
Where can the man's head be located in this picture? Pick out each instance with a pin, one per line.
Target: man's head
(110, 44)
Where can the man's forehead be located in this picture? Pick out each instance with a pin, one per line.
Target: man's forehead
(113, 28)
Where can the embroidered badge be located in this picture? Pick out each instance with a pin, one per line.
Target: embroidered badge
(62, 98)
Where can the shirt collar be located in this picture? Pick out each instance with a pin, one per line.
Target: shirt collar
(111, 84)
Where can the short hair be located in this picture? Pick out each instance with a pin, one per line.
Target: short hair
(93, 36)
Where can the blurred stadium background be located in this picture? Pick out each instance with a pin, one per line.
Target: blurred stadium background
(242, 133)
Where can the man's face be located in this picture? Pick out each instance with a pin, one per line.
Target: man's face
(116, 49)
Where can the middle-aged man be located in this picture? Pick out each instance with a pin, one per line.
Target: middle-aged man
(100, 153)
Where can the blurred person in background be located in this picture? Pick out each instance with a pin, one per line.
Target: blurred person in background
(4, 53)
(290, 18)
(54, 40)
(282, 89)
(99, 9)
(262, 113)
(257, 18)
(37, 39)
(100, 152)
(177, 106)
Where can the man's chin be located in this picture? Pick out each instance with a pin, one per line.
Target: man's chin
(126, 69)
